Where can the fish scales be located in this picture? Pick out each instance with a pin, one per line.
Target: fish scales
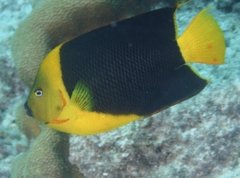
(127, 66)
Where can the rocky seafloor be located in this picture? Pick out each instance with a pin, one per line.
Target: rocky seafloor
(199, 137)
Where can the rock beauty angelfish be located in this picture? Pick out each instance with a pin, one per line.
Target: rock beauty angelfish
(119, 73)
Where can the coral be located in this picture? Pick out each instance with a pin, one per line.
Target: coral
(29, 126)
(47, 157)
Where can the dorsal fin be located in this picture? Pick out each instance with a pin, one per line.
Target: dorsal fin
(81, 97)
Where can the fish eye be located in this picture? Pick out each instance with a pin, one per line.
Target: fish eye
(38, 92)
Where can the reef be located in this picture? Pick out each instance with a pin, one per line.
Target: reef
(47, 157)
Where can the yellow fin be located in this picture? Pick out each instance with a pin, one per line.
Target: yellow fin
(81, 97)
(203, 40)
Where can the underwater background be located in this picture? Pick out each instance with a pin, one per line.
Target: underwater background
(199, 137)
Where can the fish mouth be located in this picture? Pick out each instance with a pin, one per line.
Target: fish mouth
(28, 110)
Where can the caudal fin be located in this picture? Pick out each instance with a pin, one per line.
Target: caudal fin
(203, 40)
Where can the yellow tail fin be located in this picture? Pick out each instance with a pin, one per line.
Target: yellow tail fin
(203, 40)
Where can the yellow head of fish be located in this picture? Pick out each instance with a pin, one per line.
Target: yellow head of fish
(47, 97)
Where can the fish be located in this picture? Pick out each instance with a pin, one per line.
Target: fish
(124, 71)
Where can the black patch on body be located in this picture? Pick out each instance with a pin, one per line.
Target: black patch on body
(132, 67)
